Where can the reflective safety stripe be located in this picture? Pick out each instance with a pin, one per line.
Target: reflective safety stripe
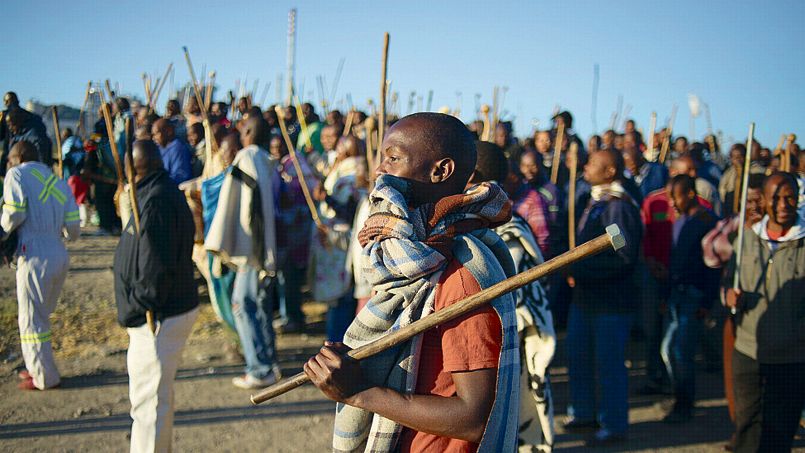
(50, 187)
(29, 338)
(14, 206)
(72, 216)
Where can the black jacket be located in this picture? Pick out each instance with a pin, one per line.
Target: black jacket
(605, 283)
(154, 270)
(687, 266)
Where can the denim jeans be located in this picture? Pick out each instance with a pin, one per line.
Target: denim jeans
(252, 310)
(597, 342)
(679, 343)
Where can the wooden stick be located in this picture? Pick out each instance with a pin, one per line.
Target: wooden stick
(83, 107)
(381, 116)
(147, 87)
(107, 118)
(613, 239)
(348, 126)
(208, 135)
(368, 128)
(572, 162)
(305, 189)
(666, 142)
(736, 200)
(557, 153)
(494, 123)
(736, 280)
(791, 139)
(784, 156)
(486, 132)
(652, 129)
(57, 132)
(109, 90)
(208, 93)
(155, 96)
(300, 115)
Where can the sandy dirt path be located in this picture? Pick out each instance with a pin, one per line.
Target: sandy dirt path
(90, 411)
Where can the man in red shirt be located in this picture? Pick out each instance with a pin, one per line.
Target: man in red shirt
(462, 387)
(658, 217)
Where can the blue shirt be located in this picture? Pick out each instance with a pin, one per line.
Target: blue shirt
(176, 159)
(652, 176)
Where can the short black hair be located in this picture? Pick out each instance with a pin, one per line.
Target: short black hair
(197, 128)
(448, 137)
(491, 163)
(617, 159)
(684, 181)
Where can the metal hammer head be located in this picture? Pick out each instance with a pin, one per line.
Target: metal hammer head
(616, 237)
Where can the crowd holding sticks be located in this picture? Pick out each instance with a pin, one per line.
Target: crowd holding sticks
(291, 191)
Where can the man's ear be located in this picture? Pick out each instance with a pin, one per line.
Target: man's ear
(442, 170)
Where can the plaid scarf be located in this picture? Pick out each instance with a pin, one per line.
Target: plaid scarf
(405, 252)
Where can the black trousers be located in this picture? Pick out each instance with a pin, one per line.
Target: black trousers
(769, 399)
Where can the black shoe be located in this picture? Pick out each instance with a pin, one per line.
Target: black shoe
(604, 438)
(580, 426)
(678, 415)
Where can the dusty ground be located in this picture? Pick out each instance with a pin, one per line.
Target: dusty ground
(90, 411)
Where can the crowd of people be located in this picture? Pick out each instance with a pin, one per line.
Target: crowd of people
(272, 206)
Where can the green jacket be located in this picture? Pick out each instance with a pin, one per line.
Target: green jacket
(771, 316)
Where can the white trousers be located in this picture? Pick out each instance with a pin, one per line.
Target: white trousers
(152, 363)
(41, 270)
(536, 426)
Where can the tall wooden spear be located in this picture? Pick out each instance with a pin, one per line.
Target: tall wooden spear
(612, 239)
(736, 279)
(107, 118)
(652, 129)
(205, 120)
(57, 131)
(381, 116)
(557, 152)
(572, 162)
(83, 107)
(155, 96)
(300, 115)
(305, 189)
(666, 142)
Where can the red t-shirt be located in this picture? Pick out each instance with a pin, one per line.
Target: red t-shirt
(658, 216)
(471, 342)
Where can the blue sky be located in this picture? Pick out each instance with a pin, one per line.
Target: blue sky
(745, 59)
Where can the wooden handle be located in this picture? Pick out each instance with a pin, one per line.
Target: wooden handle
(302, 121)
(557, 153)
(83, 107)
(107, 118)
(305, 189)
(197, 90)
(613, 238)
(57, 131)
(666, 142)
(381, 113)
(572, 162)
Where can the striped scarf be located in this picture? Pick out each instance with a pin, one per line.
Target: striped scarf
(405, 252)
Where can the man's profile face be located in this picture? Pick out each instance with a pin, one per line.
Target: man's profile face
(598, 169)
(9, 100)
(400, 160)
(681, 198)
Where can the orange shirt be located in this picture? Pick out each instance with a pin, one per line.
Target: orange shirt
(471, 342)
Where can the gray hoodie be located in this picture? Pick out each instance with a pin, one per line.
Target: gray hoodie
(771, 316)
